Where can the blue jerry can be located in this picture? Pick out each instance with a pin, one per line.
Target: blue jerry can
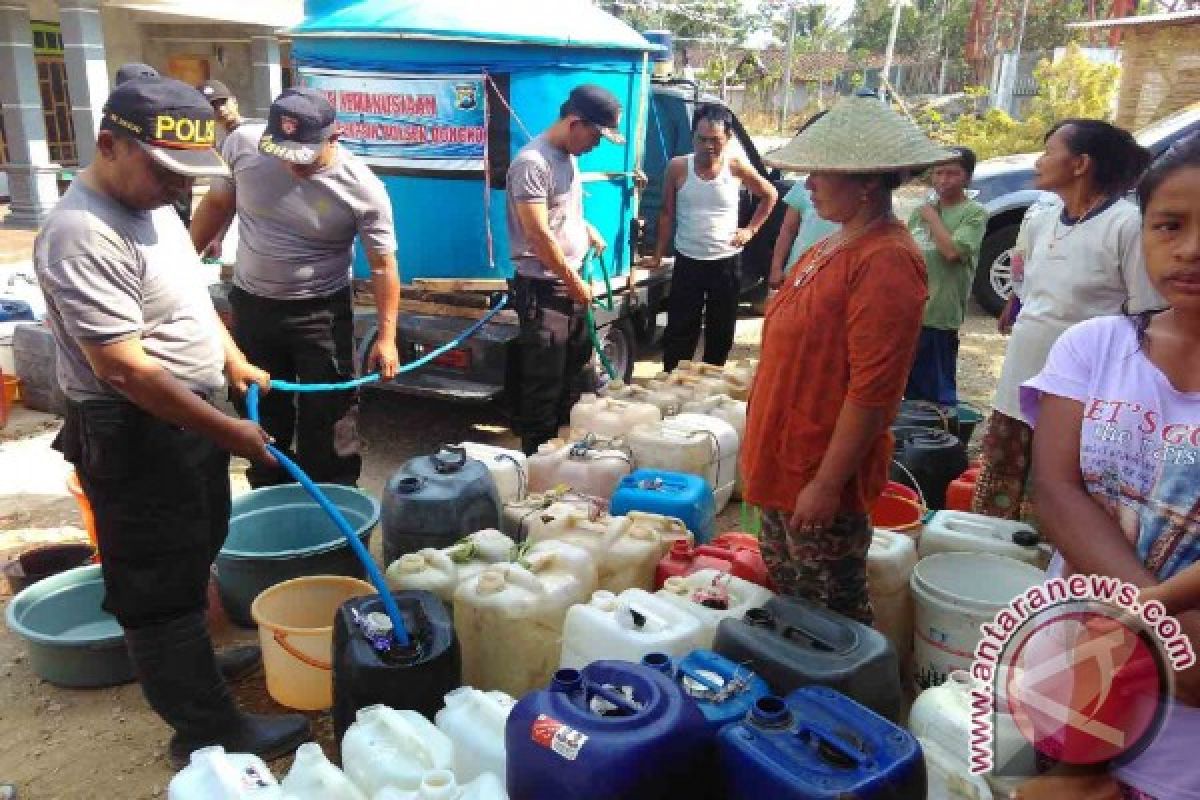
(725, 691)
(671, 494)
(611, 731)
(818, 744)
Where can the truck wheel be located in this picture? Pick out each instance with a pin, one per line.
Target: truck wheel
(645, 328)
(621, 348)
(993, 277)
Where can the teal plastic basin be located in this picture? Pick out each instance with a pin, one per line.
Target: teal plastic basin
(71, 640)
(279, 533)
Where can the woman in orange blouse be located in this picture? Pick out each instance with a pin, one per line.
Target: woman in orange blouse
(838, 343)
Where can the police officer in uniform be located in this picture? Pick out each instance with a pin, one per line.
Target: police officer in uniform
(141, 355)
(548, 239)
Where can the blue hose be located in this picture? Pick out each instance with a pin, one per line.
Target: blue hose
(288, 386)
(389, 603)
(293, 469)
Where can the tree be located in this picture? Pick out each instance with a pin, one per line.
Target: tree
(687, 19)
(920, 25)
(817, 27)
(1074, 87)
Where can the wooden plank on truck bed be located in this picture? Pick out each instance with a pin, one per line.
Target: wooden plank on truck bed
(460, 284)
(410, 306)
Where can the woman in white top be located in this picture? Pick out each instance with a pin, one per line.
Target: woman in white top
(1084, 260)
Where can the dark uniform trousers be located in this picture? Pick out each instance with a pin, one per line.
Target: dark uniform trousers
(304, 341)
(160, 495)
(702, 292)
(555, 351)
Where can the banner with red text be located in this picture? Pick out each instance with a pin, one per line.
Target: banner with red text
(411, 121)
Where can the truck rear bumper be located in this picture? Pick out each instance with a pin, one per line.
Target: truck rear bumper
(472, 373)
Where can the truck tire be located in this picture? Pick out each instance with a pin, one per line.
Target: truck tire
(645, 328)
(993, 276)
(620, 345)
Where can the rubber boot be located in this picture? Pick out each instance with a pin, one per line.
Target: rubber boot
(237, 662)
(178, 672)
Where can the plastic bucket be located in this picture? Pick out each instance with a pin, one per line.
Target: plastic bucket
(42, 562)
(85, 508)
(897, 509)
(279, 533)
(71, 640)
(955, 593)
(11, 386)
(295, 629)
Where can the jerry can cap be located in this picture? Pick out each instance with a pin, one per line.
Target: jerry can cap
(1026, 538)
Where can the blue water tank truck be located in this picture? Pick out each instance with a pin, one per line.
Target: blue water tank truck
(480, 79)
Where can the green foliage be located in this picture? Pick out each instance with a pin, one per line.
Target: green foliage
(921, 28)
(696, 19)
(1074, 87)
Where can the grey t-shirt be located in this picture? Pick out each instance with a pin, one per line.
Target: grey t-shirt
(543, 172)
(296, 236)
(110, 274)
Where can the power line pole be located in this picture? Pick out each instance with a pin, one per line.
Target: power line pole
(891, 49)
(787, 68)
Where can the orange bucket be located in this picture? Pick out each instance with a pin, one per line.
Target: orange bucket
(896, 512)
(900, 490)
(11, 388)
(85, 509)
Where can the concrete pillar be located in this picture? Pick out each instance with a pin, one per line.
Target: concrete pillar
(87, 71)
(32, 179)
(266, 74)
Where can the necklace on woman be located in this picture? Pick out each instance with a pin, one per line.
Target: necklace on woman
(826, 249)
(1055, 238)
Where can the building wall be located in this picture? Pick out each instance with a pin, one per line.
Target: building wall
(1160, 73)
(224, 48)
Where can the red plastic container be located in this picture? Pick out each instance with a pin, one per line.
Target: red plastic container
(738, 541)
(683, 560)
(961, 490)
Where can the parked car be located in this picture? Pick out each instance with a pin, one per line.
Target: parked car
(1005, 187)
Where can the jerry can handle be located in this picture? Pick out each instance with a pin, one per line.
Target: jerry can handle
(800, 634)
(614, 698)
(443, 464)
(700, 676)
(832, 749)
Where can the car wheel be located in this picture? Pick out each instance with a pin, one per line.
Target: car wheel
(620, 347)
(993, 277)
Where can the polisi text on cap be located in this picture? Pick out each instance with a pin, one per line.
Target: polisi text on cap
(185, 130)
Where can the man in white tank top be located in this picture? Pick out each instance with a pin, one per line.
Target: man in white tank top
(701, 195)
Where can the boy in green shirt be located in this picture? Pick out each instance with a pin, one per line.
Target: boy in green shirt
(949, 229)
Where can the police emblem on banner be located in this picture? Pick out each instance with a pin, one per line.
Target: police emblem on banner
(466, 96)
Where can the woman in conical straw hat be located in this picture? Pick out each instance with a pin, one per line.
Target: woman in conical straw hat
(838, 342)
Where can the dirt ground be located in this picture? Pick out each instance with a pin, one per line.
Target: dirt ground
(59, 744)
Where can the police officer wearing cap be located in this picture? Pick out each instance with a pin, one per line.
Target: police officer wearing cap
(141, 354)
(229, 118)
(225, 106)
(548, 239)
(301, 200)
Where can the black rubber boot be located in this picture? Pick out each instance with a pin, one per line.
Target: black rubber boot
(237, 662)
(178, 672)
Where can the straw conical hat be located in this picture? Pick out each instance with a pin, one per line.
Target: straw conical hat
(862, 135)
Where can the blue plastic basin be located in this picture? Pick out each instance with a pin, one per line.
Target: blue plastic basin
(72, 641)
(279, 533)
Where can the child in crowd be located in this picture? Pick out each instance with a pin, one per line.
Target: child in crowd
(948, 229)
